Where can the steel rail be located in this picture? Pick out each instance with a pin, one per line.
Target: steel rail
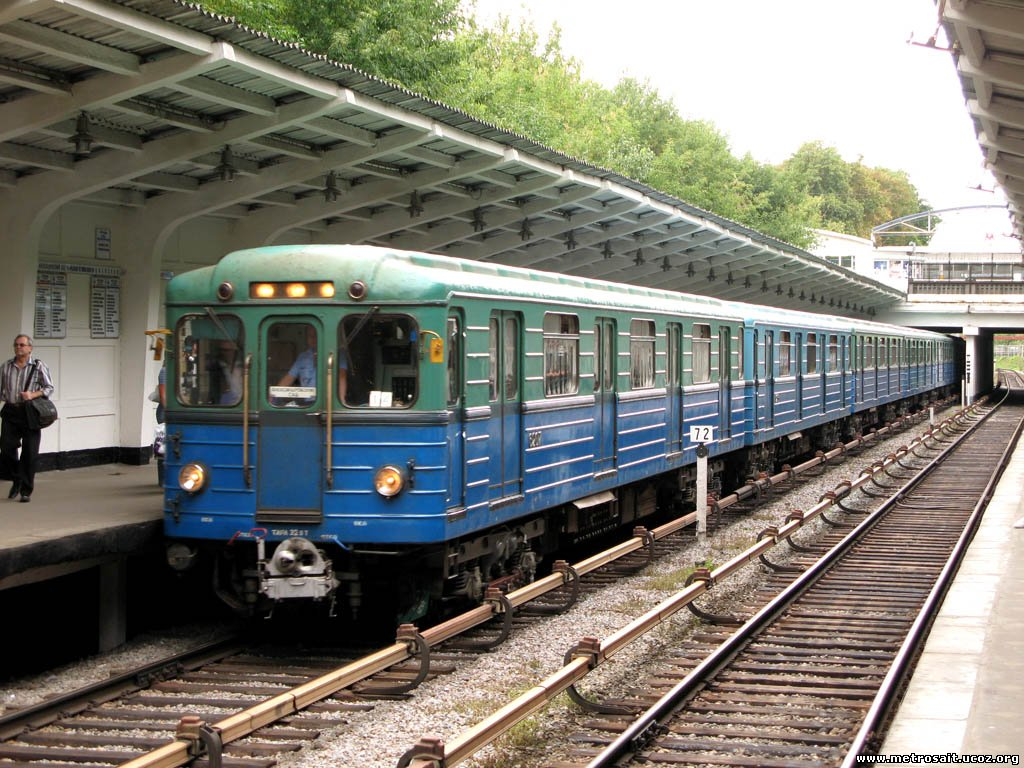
(45, 712)
(410, 640)
(636, 733)
(891, 685)
(431, 752)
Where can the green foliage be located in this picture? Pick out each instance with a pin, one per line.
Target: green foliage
(513, 77)
(851, 197)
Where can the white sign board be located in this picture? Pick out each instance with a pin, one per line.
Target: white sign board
(702, 434)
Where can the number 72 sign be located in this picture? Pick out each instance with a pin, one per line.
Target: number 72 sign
(702, 434)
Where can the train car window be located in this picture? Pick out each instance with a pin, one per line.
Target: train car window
(378, 361)
(561, 354)
(210, 360)
(869, 352)
(785, 353)
(453, 369)
(883, 352)
(812, 353)
(833, 352)
(291, 364)
(701, 353)
(738, 345)
(641, 354)
(492, 360)
(672, 367)
(511, 361)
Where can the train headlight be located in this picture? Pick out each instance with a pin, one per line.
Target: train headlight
(192, 478)
(389, 481)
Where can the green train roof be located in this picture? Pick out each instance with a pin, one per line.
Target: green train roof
(394, 276)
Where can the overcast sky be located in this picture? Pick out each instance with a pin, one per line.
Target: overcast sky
(774, 75)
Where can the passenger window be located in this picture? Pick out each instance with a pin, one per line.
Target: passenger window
(377, 361)
(785, 353)
(812, 353)
(869, 352)
(210, 360)
(833, 353)
(641, 354)
(701, 353)
(561, 354)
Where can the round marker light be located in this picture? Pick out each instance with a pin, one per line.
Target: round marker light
(264, 290)
(296, 290)
(357, 290)
(389, 481)
(327, 290)
(225, 291)
(192, 478)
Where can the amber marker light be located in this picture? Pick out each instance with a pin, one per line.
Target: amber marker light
(295, 290)
(264, 290)
(327, 290)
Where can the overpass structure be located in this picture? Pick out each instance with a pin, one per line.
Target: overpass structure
(140, 138)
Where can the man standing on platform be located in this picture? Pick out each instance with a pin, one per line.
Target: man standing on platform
(22, 378)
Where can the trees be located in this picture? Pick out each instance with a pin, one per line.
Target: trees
(512, 76)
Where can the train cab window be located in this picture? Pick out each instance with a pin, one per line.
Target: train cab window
(291, 364)
(377, 361)
(561, 354)
(785, 353)
(833, 352)
(812, 353)
(701, 353)
(210, 360)
(641, 354)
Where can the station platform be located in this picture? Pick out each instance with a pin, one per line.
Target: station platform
(966, 694)
(78, 518)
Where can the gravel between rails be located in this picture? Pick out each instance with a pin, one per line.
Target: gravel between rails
(449, 704)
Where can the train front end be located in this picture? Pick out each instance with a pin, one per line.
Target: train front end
(306, 431)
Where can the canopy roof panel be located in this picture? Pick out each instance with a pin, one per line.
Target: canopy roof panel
(159, 105)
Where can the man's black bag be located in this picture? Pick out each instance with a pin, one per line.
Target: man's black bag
(41, 413)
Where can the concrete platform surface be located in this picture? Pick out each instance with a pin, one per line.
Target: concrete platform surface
(80, 515)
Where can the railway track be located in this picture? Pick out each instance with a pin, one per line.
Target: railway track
(809, 679)
(245, 710)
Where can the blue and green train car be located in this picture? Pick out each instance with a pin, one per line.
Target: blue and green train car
(347, 422)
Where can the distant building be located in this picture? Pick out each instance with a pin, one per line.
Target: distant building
(970, 252)
(885, 265)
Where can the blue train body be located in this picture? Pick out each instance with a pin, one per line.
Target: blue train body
(346, 421)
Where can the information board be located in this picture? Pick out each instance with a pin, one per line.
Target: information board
(51, 306)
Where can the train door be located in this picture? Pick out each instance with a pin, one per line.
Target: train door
(725, 380)
(769, 378)
(455, 393)
(605, 368)
(506, 446)
(290, 445)
(674, 386)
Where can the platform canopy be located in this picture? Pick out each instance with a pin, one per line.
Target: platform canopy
(157, 105)
(987, 42)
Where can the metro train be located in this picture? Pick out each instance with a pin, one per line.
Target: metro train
(357, 426)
